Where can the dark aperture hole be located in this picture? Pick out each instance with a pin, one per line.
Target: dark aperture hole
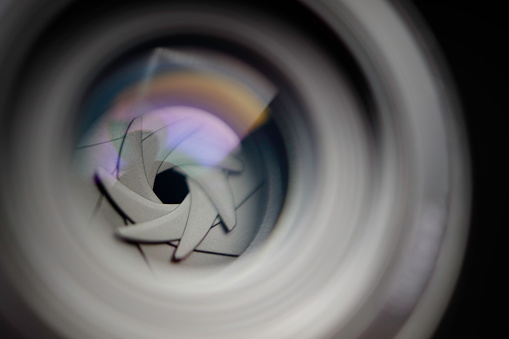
(171, 187)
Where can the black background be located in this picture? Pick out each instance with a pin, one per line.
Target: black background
(473, 37)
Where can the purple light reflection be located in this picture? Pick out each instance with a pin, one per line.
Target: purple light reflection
(206, 140)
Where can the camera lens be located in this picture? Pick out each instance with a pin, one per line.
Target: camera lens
(223, 170)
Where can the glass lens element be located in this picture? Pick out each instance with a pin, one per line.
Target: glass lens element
(180, 145)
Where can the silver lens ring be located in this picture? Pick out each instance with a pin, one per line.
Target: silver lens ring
(371, 233)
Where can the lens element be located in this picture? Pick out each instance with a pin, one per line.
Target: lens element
(200, 115)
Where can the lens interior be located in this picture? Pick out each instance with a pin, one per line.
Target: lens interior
(185, 154)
